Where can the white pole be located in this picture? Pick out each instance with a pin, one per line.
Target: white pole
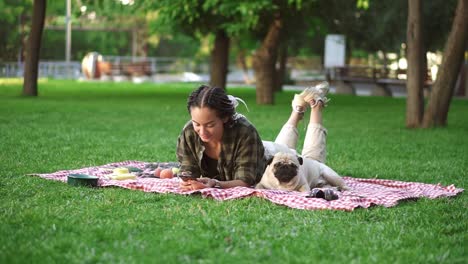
(68, 33)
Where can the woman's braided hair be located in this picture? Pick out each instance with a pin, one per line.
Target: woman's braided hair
(214, 98)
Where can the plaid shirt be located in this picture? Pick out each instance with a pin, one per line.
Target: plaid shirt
(242, 152)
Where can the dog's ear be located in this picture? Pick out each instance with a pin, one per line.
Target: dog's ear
(300, 160)
(270, 160)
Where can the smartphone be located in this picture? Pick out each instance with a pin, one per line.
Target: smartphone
(186, 176)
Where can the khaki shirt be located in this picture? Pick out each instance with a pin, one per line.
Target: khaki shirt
(241, 157)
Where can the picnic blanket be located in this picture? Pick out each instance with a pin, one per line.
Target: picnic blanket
(363, 192)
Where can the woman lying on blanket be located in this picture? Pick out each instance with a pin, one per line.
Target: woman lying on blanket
(222, 149)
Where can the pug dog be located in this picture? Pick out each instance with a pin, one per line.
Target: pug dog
(286, 171)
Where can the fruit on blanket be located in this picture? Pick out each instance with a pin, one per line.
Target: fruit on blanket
(157, 172)
(166, 174)
(175, 170)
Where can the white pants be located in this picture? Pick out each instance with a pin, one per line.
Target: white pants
(314, 143)
(314, 153)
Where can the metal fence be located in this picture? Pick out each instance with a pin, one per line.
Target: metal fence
(73, 69)
(164, 64)
(48, 69)
(163, 69)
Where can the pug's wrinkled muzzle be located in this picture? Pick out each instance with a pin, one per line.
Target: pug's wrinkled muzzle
(285, 172)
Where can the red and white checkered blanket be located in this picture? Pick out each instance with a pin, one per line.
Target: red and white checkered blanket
(363, 192)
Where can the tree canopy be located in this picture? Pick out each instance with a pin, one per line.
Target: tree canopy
(377, 25)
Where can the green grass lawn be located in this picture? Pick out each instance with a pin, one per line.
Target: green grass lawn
(73, 125)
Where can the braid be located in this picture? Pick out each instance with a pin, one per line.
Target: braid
(214, 98)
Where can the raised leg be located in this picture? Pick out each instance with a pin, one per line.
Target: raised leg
(315, 139)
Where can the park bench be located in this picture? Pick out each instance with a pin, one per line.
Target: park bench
(380, 79)
(133, 69)
(129, 69)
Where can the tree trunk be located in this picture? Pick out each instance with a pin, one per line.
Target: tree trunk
(414, 83)
(264, 63)
(33, 49)
(443, 88)
(241, 62)
(462, 81)
(219, 60)
(281, 71)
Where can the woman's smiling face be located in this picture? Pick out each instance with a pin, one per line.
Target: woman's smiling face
(207, 124)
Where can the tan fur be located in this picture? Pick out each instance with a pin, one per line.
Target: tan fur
(311, 174)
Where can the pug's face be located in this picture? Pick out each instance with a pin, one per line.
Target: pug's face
(285, 166)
